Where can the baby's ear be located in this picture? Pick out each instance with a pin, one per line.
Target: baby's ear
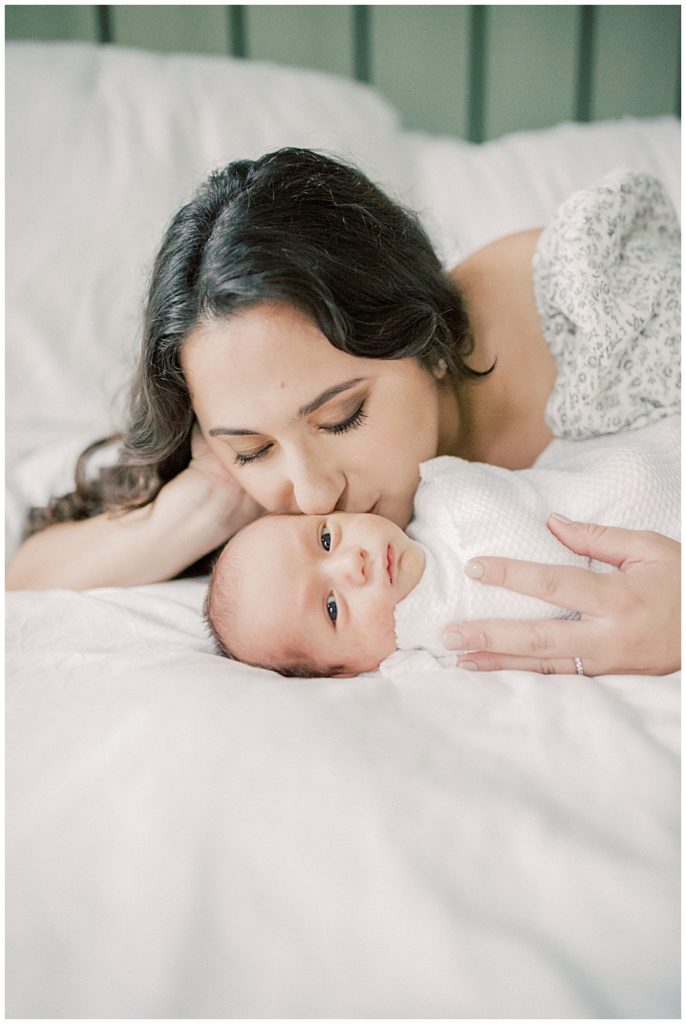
(339, 672)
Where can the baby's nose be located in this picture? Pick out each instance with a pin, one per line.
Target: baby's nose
(355, 566)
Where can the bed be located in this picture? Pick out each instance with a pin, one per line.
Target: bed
(190, 837)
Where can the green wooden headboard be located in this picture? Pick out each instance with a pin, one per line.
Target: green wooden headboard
(474, 71)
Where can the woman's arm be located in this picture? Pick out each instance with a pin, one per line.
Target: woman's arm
(192, 515)
(630, 620)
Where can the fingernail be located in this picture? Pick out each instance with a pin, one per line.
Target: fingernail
(560, 517)
(453, 641)
(471, 666)
(475, 570)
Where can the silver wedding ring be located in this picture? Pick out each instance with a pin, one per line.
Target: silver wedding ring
(579, 666)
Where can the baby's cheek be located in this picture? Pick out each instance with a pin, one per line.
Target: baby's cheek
(381, 627)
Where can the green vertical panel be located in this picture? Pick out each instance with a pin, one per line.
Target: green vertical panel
(636, 70)
(361, 15)
(312, 37)
(55, 22)
(531, 67)
(237, 25)
(183, 28)
(420, 61)
(478, 37)
(585, 63)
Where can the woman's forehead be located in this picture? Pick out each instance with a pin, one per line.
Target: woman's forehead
(270, 325)
(267, 352)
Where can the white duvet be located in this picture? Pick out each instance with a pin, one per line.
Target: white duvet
(190, 837)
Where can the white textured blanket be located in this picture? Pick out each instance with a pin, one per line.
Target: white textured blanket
(465, 509)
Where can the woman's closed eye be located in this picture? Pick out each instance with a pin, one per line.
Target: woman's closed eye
(341, 427)
(350, 423)
(244, 458)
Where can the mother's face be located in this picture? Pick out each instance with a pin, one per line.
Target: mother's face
(305, 427)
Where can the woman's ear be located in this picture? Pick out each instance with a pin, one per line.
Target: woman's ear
(440, 369)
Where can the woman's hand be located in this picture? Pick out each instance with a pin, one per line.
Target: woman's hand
(630, 620)
(240, 508)
(194, 513)
(204, 505)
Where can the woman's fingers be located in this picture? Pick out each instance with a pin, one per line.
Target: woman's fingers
(481, 662)
(563, 585)
(610, 544)
(630, 619)
(552, 639)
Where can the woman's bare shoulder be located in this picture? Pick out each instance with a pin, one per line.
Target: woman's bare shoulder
(502, 254)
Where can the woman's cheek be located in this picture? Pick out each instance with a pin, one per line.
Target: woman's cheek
(411, 441)
(254, 482)
(263, 488)
(385, 455)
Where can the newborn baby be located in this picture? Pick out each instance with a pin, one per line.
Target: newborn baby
(312, 595)
(336, 595)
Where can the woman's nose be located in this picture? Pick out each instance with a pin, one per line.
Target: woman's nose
(316, 490)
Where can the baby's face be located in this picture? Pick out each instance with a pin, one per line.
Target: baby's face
(322, 588)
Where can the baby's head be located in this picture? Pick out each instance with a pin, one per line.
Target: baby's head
(312, 595)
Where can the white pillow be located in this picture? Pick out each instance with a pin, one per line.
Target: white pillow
(470, 194)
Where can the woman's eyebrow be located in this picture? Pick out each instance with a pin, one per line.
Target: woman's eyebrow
(326, 396)
(304, 410)
(217, 431)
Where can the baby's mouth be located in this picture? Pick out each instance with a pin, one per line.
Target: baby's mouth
(390, 563)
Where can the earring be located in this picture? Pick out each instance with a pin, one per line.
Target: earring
(441, 369)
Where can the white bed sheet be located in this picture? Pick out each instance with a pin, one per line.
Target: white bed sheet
(189, 837)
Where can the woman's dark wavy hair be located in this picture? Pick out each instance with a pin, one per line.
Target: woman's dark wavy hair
(295, 226)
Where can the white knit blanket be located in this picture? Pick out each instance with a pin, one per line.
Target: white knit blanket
(465, 509)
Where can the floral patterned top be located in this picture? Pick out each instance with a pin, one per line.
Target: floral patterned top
(607, 285)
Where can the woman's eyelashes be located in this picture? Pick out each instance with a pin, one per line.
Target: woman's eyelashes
(243, 458)
(353, 421)
(349, 423)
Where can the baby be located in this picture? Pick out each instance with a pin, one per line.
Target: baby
(336, 595)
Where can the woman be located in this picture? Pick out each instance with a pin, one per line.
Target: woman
(304, 351)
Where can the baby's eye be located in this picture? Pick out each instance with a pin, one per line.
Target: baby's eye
(325, 539)
(332, 608)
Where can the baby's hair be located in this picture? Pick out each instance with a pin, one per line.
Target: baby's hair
(298, 666)
(219, 646)
(296, 670)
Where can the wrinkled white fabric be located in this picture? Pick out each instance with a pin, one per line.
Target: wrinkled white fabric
(193, 837)
(607, 284)
(465, 509)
